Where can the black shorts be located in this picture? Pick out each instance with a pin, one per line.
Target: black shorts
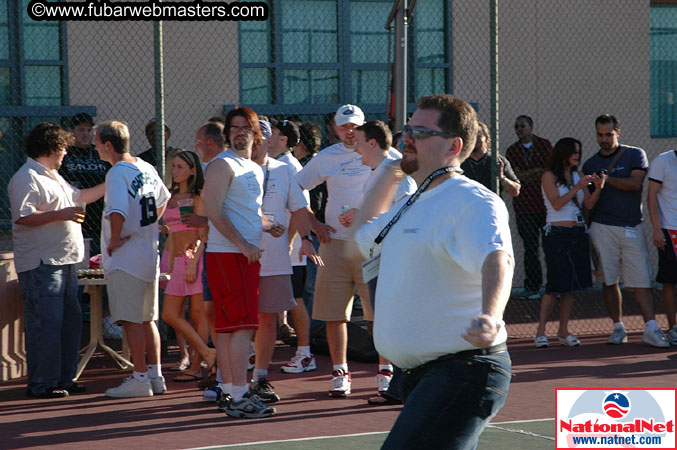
(298, 281)
(667, 262)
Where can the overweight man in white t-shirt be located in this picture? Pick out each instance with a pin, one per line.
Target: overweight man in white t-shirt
(335, 285)
(135, 200)
(444, 279)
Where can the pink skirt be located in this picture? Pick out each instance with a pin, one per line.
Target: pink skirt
(177, 284)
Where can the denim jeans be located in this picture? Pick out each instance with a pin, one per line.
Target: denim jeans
(447, 403)
(53, 321)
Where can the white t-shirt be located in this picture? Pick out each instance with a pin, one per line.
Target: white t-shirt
(345, 175)
(296, 166)
(134, 190)
(568, 212)
(36, 188)
(242, 204)
(283, 195)
(430, 282)
(405, 188)
(664, 170)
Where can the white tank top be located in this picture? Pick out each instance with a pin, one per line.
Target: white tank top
(569, 211)
(242, 205)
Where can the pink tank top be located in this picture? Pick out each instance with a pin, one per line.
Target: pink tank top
(172, 218)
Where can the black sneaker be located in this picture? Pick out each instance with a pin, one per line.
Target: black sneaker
(224, 401)
(53, 392)
(264, 390)
(250, 407)
(76, 388)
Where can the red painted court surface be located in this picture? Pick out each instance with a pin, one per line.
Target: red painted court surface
(181, 419)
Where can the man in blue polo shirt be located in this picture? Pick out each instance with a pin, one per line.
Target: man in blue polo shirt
(616, 230)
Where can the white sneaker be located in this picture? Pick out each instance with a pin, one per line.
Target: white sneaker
(340, 385)
(158, 385)
(655, 338)
(672, 335)
(130, 387)
(300, 363)
(383, 379)
(618, 337)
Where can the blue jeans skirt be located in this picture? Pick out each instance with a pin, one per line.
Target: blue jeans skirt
(449, 401)
(567, 259)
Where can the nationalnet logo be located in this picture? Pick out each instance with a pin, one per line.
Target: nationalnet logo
(616, 418)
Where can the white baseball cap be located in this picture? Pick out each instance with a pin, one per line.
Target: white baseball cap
(349, 114)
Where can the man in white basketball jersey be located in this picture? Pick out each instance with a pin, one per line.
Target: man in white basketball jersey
(135, 199)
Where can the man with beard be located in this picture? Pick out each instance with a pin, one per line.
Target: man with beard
(233, 196)
(444, 279)
(47, 245)
(335, 285)
(616, 230)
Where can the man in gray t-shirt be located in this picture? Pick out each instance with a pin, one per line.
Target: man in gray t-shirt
(616, 230)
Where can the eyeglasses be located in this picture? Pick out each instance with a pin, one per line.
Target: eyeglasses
(238, 130)
(418, 133)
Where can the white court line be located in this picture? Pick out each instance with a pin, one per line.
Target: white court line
(496, 426)
(492, 425)
(520, 421)
(290, 440)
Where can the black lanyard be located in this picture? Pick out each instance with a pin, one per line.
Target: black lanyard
(413, 198)
(265, 178)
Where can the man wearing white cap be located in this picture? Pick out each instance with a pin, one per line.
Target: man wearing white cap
(341, 167)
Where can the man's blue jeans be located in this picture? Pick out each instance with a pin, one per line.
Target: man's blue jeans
(53, 321)
(447, 403)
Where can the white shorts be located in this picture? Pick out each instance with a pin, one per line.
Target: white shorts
(131, 299)
(622, 250)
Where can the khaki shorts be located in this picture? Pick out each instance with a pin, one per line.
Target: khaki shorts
(276, 294)
(131, 299)
(335, 285)
(622, 251)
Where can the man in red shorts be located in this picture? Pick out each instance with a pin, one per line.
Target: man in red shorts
(233, 195)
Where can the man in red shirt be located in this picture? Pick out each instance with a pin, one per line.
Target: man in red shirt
(529, 156)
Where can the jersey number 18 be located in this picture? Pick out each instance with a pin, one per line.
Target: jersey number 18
(148, 211)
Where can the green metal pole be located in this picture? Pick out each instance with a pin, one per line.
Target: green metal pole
(493, 30)
(159, 98)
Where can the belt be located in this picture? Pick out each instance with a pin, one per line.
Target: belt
(502, 347)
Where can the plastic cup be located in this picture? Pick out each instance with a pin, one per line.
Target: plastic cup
(81, 216)
(185, 206)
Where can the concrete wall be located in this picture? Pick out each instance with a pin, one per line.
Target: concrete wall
(562, 63)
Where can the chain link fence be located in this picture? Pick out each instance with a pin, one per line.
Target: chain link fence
(560, 63)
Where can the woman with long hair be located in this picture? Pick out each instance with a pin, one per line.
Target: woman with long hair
(185, 245)
(565, 236)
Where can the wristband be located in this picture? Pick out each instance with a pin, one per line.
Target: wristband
(307, 238)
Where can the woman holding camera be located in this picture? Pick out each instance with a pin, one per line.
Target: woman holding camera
(565, 237)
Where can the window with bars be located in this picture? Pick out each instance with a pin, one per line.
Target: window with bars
(663, 70)
(311, 56)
